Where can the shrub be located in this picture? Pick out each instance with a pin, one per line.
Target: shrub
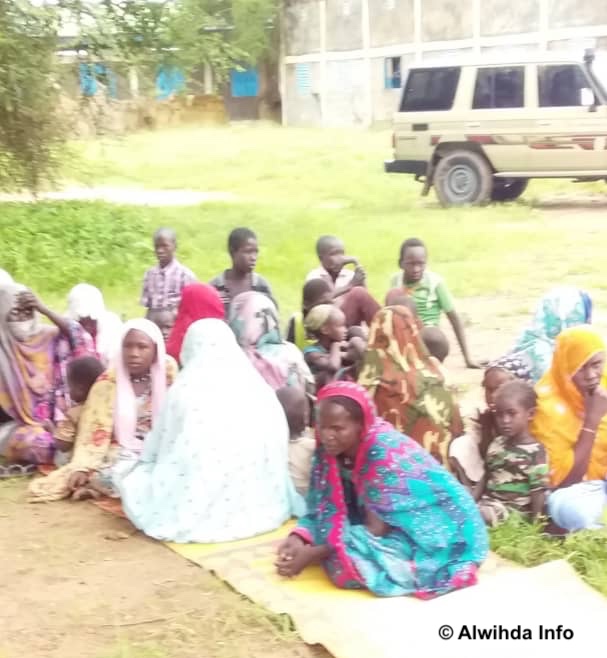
(52, 246)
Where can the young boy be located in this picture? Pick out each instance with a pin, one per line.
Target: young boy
(301, 440)
(428, 290)
(163, 283)
(516, 470)
(82, 373)
(348, 286)
(241, 277)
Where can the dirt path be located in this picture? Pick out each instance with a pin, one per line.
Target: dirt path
(80, 583)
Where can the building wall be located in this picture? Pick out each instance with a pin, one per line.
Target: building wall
(345, 45)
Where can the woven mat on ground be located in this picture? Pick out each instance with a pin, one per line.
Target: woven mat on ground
(507, 600)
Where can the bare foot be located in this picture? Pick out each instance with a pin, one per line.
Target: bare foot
(85, 493)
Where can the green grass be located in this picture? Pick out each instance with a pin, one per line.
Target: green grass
(526, 544)
(290, 186)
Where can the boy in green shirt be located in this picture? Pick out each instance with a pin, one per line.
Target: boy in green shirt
(429, 292)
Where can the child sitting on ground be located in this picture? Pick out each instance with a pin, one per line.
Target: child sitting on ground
(348, 286)
(315, 293)
(436, 342)
(516, 476)
(428, 290)
(467, 452)
(301, 444)
(82, 373)
(163, 283)
(241, 277)
(327, 324)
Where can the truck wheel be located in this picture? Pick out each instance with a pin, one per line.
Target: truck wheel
(463, 177)
(508, 189)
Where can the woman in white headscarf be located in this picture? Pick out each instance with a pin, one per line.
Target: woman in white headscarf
(119, 411)
(85, 305)
(215, 466)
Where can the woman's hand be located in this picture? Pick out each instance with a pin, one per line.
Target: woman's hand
(77, 480)
(292, 556)
(375, 525)
(289, 547)
(595, 406)
(29, 301)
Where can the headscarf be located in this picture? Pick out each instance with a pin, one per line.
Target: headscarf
(199, 301)
(558, 309)
(559, 416)
(125, 409)
(86, 301)
(406, 383)
(25, 367)
(5, 278)
(512, 363)
(254, 321)
(317, 317)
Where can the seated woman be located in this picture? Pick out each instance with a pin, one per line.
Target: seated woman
(558, 309)
(384, 516)
(571, 422)
(199, 301)
(254, 321)
(118, 414)
(467, 452)
(407, 385)
(215, 467)
(30, 381)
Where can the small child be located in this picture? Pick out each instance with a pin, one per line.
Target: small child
(327, 324)
(436, 343)
(428, 290)
(467, 452)
(82, 373)
(315, 293)
(352, 359)
(163, 283)
(301, 441)
(241, 277)
(516, 476)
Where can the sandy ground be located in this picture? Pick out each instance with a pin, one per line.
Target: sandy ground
(80, 583)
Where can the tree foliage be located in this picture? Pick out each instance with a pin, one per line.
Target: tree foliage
(31, 134)
(145, 34)
(184, 33)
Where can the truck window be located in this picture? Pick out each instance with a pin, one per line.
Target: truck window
(561, 85)
(499, 87)
(430, 90)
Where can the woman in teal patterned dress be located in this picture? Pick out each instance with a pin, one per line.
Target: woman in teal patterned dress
(383, 514)
(559, 309)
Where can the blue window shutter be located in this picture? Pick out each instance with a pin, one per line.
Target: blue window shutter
(244, 84)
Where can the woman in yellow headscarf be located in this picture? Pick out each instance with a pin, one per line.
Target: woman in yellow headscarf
(571, 422)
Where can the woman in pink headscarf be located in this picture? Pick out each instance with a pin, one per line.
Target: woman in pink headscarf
(116, 418)
(254, 321)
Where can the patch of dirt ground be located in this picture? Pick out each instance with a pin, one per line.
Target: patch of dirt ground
(80, 583)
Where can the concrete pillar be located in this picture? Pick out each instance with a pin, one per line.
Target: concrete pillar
(134, 82)
(476, 25)
(322, 62)
(366, 41)
(417, 29)
(544, 15)
(208, 80)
